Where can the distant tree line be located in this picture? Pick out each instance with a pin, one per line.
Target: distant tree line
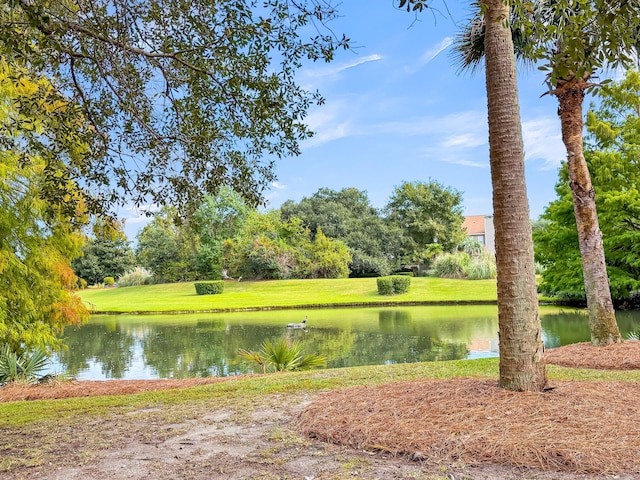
(330, 234)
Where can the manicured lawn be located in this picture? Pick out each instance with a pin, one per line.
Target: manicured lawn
(283, 293)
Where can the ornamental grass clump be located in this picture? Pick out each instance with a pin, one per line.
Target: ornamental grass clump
(136, 277)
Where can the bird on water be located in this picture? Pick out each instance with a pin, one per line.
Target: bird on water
(302, 324)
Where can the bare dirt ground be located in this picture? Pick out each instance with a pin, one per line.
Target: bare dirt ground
(279, 437)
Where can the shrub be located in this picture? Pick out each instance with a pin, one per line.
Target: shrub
(401, 284)
(209, 288)
(109, 281)
(137, 276)
(24, 367)
(394, 284)
(385, 286)
(82, 283)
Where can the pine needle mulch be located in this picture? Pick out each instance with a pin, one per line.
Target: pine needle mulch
(583, 427)
(617, 356)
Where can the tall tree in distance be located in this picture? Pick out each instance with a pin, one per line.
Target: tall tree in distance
(182, 97)
(425, 214)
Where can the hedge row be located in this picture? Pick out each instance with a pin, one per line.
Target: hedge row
(393, 285)
(209, 288)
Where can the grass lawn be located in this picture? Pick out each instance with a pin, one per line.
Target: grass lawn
(283, 294)
(252, 388)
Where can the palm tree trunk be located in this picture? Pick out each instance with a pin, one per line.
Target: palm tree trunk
(522, 365)
(602, 318)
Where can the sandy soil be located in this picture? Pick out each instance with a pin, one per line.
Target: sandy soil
(222, 440)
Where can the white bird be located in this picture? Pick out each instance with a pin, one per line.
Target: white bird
(302, 324)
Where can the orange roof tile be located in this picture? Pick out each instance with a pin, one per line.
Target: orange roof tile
(474, 224)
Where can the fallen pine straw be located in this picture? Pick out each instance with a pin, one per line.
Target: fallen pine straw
(92, 388)
(581, 427)
(617, 356)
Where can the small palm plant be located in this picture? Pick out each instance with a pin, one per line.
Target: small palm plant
(634, 335)
(283, 355)
(22, 367)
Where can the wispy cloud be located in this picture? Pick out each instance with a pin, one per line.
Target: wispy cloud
(341, 67)
(429, 55)
(543, 142)
(278, 186)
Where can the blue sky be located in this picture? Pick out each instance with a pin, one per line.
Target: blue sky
(397, 110)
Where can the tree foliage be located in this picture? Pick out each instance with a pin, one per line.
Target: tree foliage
(425, 214)
(106, 255)
(41, 208)
(164, 248)
(181, 97)
(271, 248)
(219, 218)
(612, 153)
(347, 216)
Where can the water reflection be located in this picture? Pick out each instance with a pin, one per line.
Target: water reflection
(135, 346)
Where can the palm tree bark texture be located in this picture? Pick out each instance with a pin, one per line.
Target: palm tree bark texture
(602, 319)
(522, 365)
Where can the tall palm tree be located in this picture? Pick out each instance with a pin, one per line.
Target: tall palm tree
(569, 75)
(521, 349)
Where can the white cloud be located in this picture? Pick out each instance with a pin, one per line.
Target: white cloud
(543, 141)
(338, 68)
(278, 186)
(430, 54)
(464, 140)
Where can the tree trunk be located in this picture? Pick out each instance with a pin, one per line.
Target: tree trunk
(522, 365)
(602, 318)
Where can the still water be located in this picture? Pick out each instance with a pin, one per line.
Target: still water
(179, 346)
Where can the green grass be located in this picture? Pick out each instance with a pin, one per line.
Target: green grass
(284, 294)
(238, 391)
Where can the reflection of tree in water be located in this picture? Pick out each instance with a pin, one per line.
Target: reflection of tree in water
(105, 343)
(208, 349)
(186, 348)
(567, 327)
(375, 349)
(564, 328)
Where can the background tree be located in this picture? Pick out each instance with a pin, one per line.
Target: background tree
(165, 249)
(425, 214)
(271, 248)
(41, 210)
(181, 98)
(612, 156)
(348, 216)
(219, 218)
(106, 255)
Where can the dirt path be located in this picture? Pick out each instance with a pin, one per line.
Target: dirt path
(238, 442)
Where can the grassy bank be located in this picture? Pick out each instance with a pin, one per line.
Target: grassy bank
(284, 294)
(237, 390)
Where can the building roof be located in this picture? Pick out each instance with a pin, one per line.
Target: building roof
(474, 224)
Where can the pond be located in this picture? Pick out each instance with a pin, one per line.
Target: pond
(190, 345)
